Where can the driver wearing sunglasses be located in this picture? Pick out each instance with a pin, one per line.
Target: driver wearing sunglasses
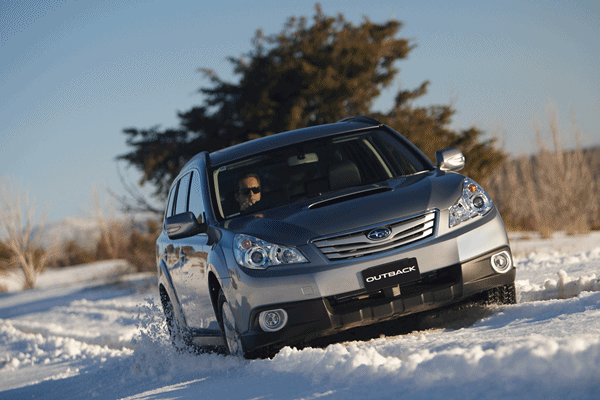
(248, 191)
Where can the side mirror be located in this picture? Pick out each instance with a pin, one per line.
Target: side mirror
(184, 225)
(451, 159)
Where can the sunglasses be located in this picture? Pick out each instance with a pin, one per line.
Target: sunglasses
(246, 191)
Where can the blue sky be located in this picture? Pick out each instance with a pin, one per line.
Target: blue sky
(74, 74)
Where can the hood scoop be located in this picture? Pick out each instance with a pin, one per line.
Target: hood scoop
(349, 196)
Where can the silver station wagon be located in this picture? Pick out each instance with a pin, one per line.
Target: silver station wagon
(303, 234)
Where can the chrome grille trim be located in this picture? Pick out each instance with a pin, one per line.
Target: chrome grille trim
(356, 244)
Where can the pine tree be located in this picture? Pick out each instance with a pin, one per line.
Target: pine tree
(307, 74)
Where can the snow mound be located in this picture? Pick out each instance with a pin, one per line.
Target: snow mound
(535, 266)
(535, 357)
(563, 288)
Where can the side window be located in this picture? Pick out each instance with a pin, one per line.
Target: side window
(169, 210)
(196, 202)
(182, 194)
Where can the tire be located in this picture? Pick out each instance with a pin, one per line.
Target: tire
(506, 294)
(231, 335)
(176, 335)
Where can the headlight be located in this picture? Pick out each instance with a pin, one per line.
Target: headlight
(473, 202)
(254, 253)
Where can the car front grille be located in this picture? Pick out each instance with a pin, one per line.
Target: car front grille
(355, 244)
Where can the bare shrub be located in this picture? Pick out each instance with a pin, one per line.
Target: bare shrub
(565, 186)
(114, 231)
(552, 190)
(125, 239)
(21, 232)
(5, 257)
(72, 253)
(141, 249)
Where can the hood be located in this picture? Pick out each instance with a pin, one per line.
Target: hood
(296, 224)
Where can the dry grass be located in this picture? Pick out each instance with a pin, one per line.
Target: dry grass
(550, 191)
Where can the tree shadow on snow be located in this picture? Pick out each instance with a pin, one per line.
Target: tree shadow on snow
(45, 303)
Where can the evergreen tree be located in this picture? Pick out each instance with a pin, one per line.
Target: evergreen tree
(308, 74)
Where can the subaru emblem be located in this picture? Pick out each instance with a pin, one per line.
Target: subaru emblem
(379, 233)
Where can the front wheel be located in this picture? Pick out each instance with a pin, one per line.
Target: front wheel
(178, 338)
(506, 294)
(229, 328)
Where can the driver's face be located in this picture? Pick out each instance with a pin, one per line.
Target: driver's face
(245, 196)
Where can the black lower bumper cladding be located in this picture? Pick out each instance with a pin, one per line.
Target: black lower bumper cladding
(312, 319)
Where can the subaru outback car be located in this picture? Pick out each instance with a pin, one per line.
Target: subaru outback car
(307, 233)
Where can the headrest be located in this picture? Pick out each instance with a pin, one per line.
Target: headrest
(343, 175)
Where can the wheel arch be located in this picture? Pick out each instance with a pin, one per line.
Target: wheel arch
(214, 288)
(167, 293)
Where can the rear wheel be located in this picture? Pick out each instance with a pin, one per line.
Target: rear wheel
(229, 328)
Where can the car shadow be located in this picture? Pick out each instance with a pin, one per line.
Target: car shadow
(454, 317)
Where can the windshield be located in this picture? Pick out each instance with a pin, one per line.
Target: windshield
(311, 169)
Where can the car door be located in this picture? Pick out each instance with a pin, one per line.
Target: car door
(165, 248)
(190, 274)
(174, 251)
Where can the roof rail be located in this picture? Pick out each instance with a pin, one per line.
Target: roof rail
(360, 118)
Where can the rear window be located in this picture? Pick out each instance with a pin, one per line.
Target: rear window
(312, 169)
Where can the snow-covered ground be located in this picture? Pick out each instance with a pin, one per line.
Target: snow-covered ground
(81, 335)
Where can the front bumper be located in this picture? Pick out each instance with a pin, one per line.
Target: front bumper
(324, 316)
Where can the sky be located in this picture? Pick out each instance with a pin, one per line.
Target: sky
(74, 74)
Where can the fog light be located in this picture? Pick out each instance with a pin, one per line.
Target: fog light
(501, 262)
(272, 320)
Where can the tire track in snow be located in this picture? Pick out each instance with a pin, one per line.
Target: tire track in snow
(86, 322)
(22, 348)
